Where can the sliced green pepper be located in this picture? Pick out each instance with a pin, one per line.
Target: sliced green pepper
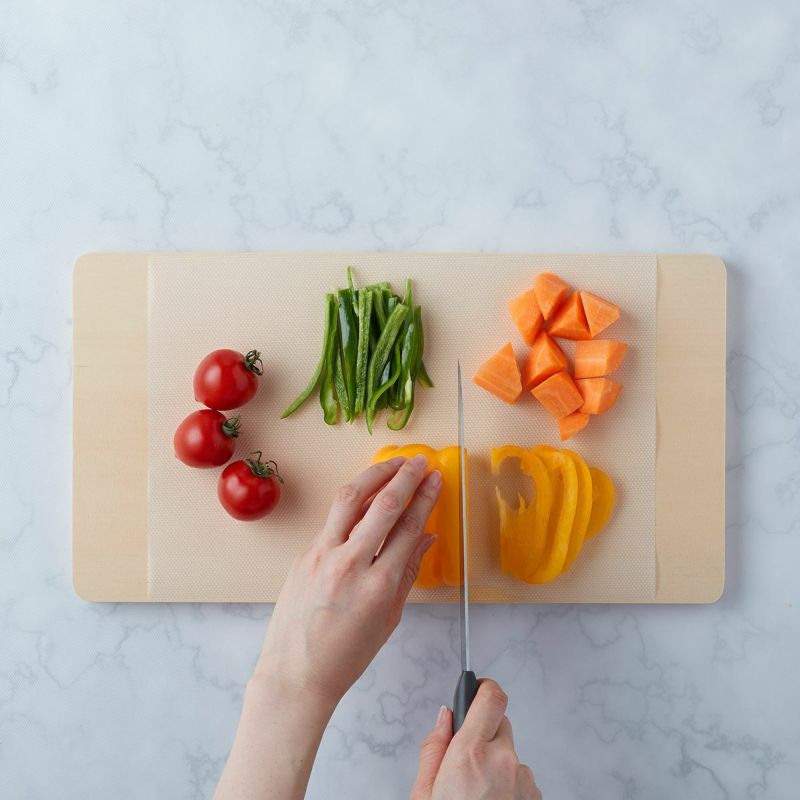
(362, 359)
(380, 358)
(348, 341)
(408, 375)
(312, 384)
(340, 385)
(327, 396)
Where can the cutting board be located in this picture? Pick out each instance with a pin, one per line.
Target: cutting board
(110, 537)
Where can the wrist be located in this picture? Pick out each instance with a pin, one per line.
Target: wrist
(280, 691)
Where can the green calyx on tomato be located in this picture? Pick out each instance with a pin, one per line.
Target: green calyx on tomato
(262, 469)
(253, 362)
(232, 426)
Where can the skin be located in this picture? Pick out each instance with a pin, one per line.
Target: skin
(339, 605)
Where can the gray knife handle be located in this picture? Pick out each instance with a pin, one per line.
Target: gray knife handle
(465, 693)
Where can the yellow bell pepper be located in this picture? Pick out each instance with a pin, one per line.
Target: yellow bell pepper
(440, 565)
(603, 497)
(523, 532)
(541, 540)
(583, 508)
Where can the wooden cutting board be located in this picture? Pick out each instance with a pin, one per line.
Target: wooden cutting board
(110, 379)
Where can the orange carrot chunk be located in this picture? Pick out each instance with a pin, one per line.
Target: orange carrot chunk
(544, 359)
(570, 322)
(524, 310)
(550, 292)
(500, 375)
(599, 394)
(599, 313)
(559, 395)
(598, 357)
(571, 424)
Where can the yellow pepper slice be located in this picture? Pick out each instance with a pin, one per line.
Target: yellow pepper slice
(583, 508)
(564, 477)
(523, 531)
(603, 498)
(541, 539)
(440, 565)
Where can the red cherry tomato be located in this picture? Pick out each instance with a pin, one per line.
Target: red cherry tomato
(226, 379)
(249, 489)
(206, 438)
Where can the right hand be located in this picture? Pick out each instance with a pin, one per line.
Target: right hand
(479, 762)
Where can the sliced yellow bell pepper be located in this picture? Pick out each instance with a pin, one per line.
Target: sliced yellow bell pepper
(583, 509)
(440, 565)
(523, 531)
(603, 498)
(564, 478)
(541, 539)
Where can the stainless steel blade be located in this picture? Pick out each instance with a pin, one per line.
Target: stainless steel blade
(463, 540)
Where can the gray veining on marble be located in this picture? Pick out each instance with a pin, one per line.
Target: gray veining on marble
(542, 125)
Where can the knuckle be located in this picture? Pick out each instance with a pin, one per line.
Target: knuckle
(338, 569)
(508, 760)
(410, 524)
(347, 495)
(428, 492)
(381, 582)
(389, 502)
(525, 775)
(493, 694)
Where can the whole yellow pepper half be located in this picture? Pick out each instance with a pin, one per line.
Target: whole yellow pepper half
(440, 565)
(572, 502)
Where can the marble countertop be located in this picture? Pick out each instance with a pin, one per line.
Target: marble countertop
(268, 124)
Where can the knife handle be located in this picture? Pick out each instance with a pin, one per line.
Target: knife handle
(465, 693)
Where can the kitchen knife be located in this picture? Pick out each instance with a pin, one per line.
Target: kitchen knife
(467, 685)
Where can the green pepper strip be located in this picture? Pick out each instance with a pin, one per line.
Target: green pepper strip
(422, 375)
(396, 395)
(380, 358)
(411, 360)
(340, 385)
(348, 340)
(312, 384)
(327, 397)
(362, 359)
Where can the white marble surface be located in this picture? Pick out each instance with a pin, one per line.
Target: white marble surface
(548, 125)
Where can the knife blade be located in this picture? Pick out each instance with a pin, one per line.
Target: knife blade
(467, 686)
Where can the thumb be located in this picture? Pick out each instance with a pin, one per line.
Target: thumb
(432, 753)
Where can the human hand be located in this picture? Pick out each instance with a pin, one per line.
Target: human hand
(479, 762)
(340, 602)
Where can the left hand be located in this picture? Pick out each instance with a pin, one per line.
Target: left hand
(340, 601)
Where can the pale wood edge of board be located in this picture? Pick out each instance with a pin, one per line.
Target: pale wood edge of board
(690, 459)
(109, 455)
(110, 461)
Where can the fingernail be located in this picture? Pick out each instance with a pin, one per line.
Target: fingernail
(396, 461)
(420, 462)
(435, 478)
(442, 714)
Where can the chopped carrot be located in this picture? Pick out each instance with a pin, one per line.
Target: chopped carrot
(599, 313)
(524, 310)
(559, 395)
(570, 322)
(544, 359)
(598, 357)
(550, 292)
(572, 423)
(599, 394)
(500, 376)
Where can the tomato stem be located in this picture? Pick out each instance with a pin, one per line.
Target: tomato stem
(262, 469)
(231, 426)
(253, 362)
